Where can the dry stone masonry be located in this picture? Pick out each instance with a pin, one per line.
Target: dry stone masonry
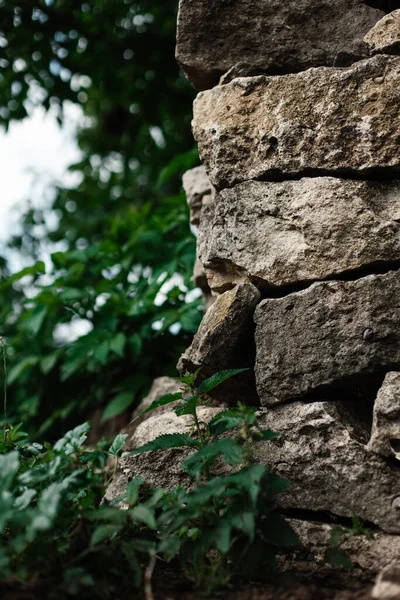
(297, 204)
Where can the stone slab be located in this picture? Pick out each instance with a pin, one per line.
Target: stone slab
(323, 121)
(268, 36)
(331, 333)
(279, 234)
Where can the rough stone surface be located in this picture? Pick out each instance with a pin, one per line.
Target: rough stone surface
(200, 280)
(387, 585)
(160, 469)
(385, 35)
(268, 36)
(198, 190)
(318, 449)
(367, 555)
(328, 465)
(285, 233)
(385, 434)
(224, 340)
(332, 332)
(322, 121)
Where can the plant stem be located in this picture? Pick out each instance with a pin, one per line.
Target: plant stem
(5, 385)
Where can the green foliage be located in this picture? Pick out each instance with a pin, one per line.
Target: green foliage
(121, 228)
(334, 554)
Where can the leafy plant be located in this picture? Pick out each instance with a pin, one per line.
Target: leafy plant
(334, 554)
(223, 526)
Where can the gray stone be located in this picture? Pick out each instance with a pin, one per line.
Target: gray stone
(319, 122)
(385, 434)
(328, 464)
(159, 469)
(318, 450)
(198, 190)
(368, 555)
(268, 36)
(385, 35)
(332, 332)
(387, 585)
(200, 281)
(224, 340)
(279, 234)
(160, 387)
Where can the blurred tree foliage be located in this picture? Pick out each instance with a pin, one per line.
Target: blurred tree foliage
(122, 230)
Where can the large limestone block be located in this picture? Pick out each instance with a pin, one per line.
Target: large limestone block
(320, 121)
(286, 233)
(385, 35)
(268, 36)
(328, 464)
(329, 333)
(385, 434)
(224, 340)
(318, 450)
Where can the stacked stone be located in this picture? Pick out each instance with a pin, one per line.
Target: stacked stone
(305, 223)
(299, 241)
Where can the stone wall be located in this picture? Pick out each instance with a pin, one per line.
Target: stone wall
(298, 209)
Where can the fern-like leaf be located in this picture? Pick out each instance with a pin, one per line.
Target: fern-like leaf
(209, 384)
(166, 399)
(166, 441)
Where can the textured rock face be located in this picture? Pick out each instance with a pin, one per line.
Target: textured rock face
(268, 36)
(385, 35)
(387, 585)
(225, 341)
(279, 234)
(321, 121)
(367, 555)
(329, 469)
(329, 333)
(198, 190)
(385, 435)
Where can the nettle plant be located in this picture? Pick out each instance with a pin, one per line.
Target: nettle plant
(222, 525)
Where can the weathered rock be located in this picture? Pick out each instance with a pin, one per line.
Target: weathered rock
(159, 469)
(385, 434)
(224, 340)
(322, 121)
(268, 36)
(278, 234)
(198, 190)
(387, 585)
(318, 450)
(332, 332)
(368, 555)
(385, 35)
(160, 387)
(200, 280)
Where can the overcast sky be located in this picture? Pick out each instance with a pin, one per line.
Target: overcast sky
(31, 148)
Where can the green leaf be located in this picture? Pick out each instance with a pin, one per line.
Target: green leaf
(337, 558)
(209, 384)
(101, 352)
(23, 501)
(223, 536)
(169, 547)
(244, 521)
(132, 492)
(187, 407)
(220, 423)
(117, 405)
(9, 465)
(144, 514)
(35, 320)
(103, 532)
(136, 571)
(16, 371)
(117, 344)
(48, 362)
(166, 441)
(228, 448)
(118, 444)
(73, 439)
(265, 435)
(162, 401)
(37, 269)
